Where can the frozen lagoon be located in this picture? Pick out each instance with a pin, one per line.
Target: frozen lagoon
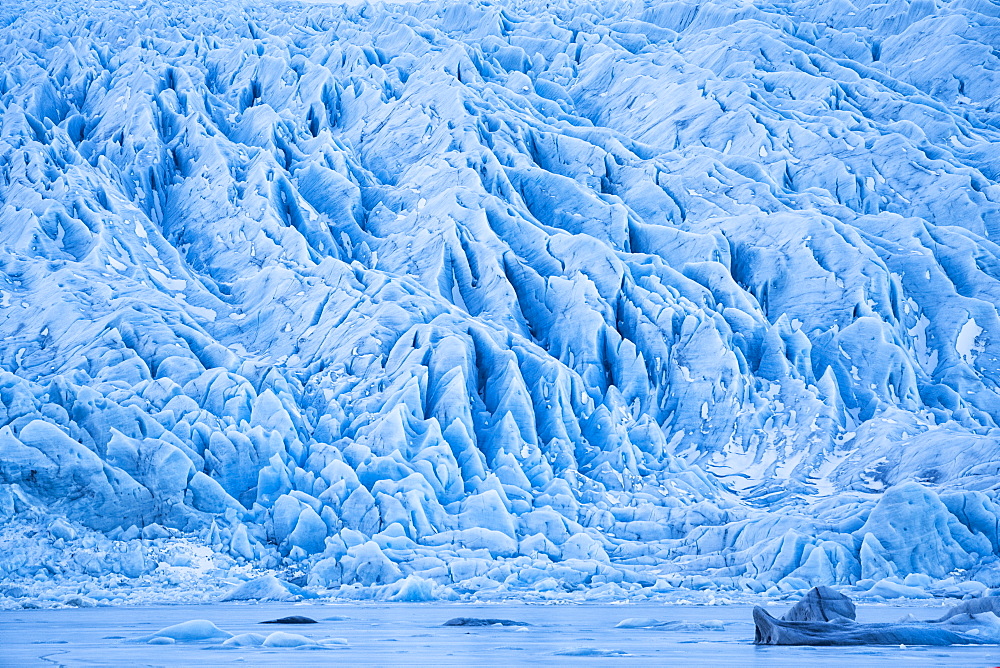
(412, 634)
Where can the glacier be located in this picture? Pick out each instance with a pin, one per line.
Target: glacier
(472, 300)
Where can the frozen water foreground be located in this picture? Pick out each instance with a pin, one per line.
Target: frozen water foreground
(413, 634)
(482, 300)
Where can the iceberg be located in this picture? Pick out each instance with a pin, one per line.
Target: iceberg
(770, 631)
(190, 631)
(266, 588)
(282, 639)
(819, 619)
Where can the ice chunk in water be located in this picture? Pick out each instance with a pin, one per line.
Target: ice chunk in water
(190, 631)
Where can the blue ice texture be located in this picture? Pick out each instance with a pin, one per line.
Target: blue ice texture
(470, 299)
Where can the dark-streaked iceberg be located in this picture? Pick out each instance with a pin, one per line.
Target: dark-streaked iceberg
(810, 622)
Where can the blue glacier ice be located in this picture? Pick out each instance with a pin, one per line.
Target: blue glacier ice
(473, 299)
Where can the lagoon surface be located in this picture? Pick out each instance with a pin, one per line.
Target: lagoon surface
(413, 634)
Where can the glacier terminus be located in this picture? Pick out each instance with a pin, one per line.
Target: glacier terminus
(492, 300)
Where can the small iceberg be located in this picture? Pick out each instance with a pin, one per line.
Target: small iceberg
(267, 588)
(477, 621)
(189, 631)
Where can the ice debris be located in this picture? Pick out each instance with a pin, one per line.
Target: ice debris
(480, 621)
(821, 604)
(201, 630)
(266, 588)
(293, 619)
(190, 631)
(672, 625)
(591, 651)
(282, 639)
(244, 640)
(975, 606)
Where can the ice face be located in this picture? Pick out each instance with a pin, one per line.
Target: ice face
(441, 299)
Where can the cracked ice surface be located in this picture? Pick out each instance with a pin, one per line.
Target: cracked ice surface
(449, 299)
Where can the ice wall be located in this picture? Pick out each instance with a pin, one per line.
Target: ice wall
(506, 295)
